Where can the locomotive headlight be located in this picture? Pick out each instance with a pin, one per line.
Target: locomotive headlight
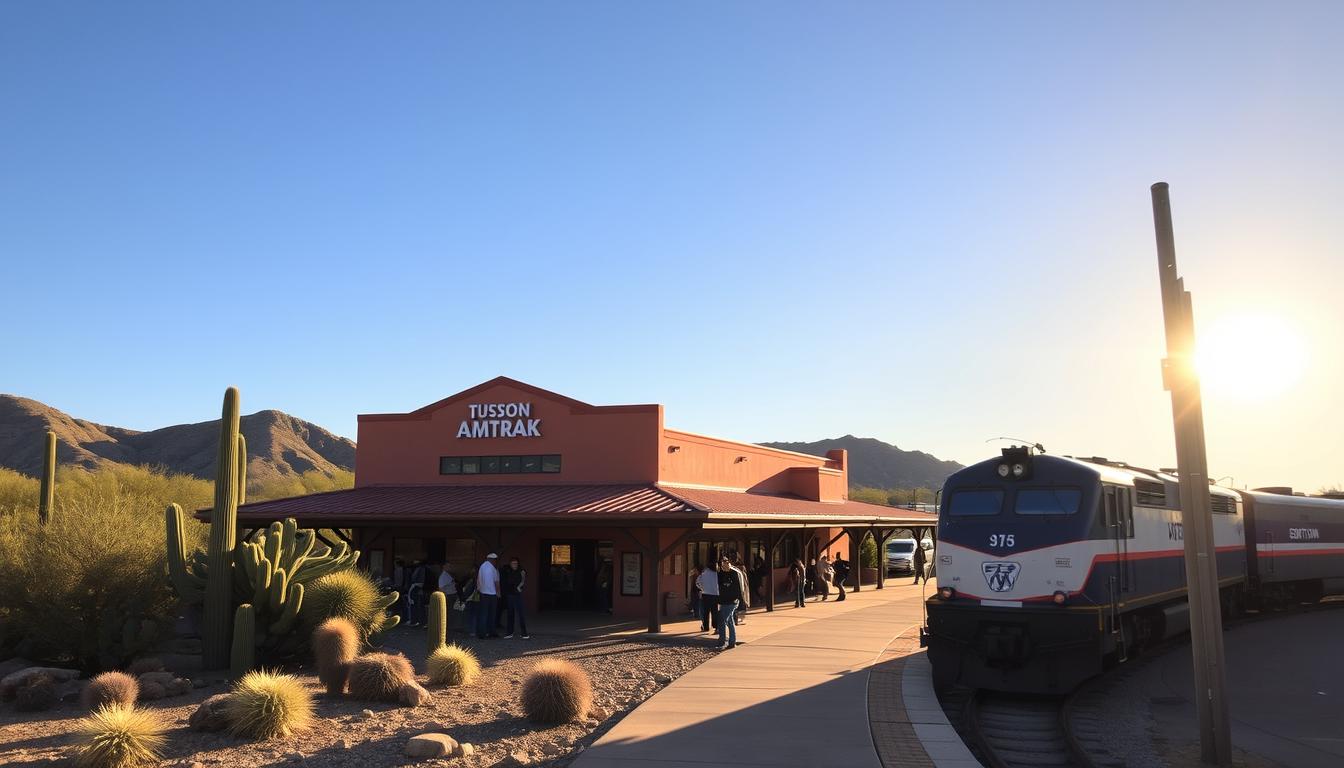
(1003, 470)
(1059, 598)
(1019, 469)
(947, 593)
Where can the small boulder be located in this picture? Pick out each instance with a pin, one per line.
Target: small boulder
(143, 665)
(466, 749)
(414, 695)
(516, 759)
(152, 691)
(164, 679)
(210, 715)
(428, 745)
(366, 714)
(11, 682)
(662, 679)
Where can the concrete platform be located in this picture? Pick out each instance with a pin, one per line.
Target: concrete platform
(1285, 688)
(799, 692)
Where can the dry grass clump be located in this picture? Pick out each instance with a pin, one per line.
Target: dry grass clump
(453, 665)
(265, 705)
(110, 688)
(557, 691)
(119, 737)
(335, 644)
(380, 676)
(37, 694)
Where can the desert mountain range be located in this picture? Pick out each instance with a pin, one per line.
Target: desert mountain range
(277, 444)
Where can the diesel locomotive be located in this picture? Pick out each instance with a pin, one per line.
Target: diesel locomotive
(1050, 568)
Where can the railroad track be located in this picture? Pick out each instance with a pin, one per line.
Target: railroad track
(1021, 732)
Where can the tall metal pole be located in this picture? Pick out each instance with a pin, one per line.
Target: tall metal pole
(1201, 564)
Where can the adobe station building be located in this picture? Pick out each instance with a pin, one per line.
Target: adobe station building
(583, 494)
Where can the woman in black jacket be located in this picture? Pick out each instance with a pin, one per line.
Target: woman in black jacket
(731, 591)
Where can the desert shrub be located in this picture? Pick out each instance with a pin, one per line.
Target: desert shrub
(119, 737)
(38, 693)
(266, 705)
(335, 644)
(89, 588)
(556, 691)
(452, 665)
(108, 689)
(18, 493)
(868, 553)
(379, 676)
(312, 481)
(350, 594)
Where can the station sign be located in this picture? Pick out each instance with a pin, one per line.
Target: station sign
(499, 420)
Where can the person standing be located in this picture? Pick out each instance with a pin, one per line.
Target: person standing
(824, 572)
(740, 615)
(415, 595)
(798, 575)
(841, 569)
(708, 581)
(602, 582)
(447, 585)
(487, 586)
(515, 578)
(731, 588)
(920, 560)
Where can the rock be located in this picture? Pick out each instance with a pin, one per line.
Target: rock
(428, 745)
(295, 757)
(466, 749)
(11, 682)
(209, 716)
(553, 749)
(164, 679)
(414, 695)
(592, 722)
(367, 714)
(601, 713)
(662, 679)
(343, 744)
(180, 686)
(152, 691)
(518, 759)
(200, 683)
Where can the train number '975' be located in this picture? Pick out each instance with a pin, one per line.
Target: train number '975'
(1001, 540)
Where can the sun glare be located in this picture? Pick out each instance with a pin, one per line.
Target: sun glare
(1249, 356)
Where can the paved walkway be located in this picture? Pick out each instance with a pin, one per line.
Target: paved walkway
(797, 693)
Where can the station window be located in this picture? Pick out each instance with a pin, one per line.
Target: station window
(499, 465)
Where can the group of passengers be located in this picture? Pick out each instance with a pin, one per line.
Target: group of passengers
(481, 597)
(723, 591)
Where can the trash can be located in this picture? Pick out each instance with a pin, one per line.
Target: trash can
(670, 601)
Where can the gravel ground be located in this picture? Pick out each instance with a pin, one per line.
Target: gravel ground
(624, 672)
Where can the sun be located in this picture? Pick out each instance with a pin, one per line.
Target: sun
(1249, 356)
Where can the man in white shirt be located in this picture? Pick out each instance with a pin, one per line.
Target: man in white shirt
(708, 581)
(446, 583)
(487, 584)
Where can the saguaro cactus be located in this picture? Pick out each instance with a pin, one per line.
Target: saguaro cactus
(217, 625)
(48, 491)
(437, 626)
(243, 656)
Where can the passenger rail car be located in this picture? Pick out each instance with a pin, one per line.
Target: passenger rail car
(1049, 567)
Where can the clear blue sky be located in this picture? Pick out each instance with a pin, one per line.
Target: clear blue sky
(927, 223)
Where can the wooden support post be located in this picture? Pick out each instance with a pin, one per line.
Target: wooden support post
(771, 541)
(855, 539)
(881, 541)
(652, 567)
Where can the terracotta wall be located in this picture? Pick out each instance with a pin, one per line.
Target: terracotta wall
(692, 459)
(616, 444)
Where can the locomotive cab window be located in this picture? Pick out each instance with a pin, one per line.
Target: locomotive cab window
(974, 503)
(1048, 501)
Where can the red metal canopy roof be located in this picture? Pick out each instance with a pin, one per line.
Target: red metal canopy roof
(561, 504)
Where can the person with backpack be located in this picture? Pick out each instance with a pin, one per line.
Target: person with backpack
(841, 567)
(798, 577)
